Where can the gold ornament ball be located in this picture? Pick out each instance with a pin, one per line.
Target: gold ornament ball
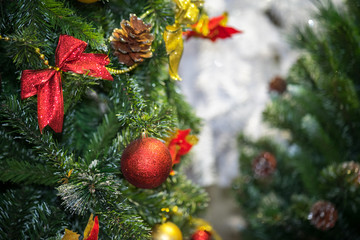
(166, 231)
(88, 1)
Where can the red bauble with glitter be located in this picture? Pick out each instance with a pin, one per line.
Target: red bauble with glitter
(201, 235)
(146, 163)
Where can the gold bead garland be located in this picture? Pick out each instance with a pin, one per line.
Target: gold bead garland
(37, 50)
(172, 211)
(46, 62)
(122, 71)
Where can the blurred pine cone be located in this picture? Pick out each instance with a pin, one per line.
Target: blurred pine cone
(278, 84)
(264, 165)
(323, 215)
(132, 43)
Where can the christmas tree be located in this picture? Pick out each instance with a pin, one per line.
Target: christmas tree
(304, 182)
(93, 122)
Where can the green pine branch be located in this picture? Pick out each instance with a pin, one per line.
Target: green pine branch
(121, 224)
(42, 224)
(21, 120)
(25, 173)
(90, 186)
(25, 211)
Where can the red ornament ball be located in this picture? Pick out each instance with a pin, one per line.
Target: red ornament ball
(146, 163)
(201, 235)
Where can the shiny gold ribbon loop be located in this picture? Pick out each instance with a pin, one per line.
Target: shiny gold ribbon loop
(186, 12)
(174, 48)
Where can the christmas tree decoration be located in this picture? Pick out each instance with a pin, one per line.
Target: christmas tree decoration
(88, 1)
(132, 43)
(174, 48)
(46, 83)
(166, 231)
(122, 71)
(171, 212)
(91, 231)
(186, 13)
(203, 230)
(201, 235)
(146, 163)
(180, 143)
(70, 235)
(212, 29)
(73, 166)
(352, 170)
(264, 165)
(65, 179)
(323, 215)
(345, 175)
(21, 40)
(278, 84)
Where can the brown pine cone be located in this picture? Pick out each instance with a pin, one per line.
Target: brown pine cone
(278, 84)
(323, 215)
(132, 43)
(264, 165)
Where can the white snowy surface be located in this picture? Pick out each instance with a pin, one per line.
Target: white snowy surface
(227, 81)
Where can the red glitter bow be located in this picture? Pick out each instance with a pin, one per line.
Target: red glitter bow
(69, 57)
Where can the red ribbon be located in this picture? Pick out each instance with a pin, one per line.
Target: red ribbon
(69, 57)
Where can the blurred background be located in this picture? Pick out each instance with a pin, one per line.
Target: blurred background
(227, 84)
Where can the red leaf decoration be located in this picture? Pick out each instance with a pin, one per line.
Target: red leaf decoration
(180, 144)
(94, 231)
(211, 29)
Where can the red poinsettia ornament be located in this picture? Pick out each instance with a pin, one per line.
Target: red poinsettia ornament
(91, 231)
(46, 83)
(211, 29)
(180, 143)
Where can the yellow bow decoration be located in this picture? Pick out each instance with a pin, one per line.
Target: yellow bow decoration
(203, 25)
(187, 12)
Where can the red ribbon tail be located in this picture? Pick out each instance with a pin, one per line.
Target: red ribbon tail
(32, 80)
(51, 104)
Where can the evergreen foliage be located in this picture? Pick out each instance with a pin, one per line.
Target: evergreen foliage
(52, 181)
(320, 115)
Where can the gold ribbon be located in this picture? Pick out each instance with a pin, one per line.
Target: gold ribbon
(203, 25)
(174, 48)
(187, 12)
